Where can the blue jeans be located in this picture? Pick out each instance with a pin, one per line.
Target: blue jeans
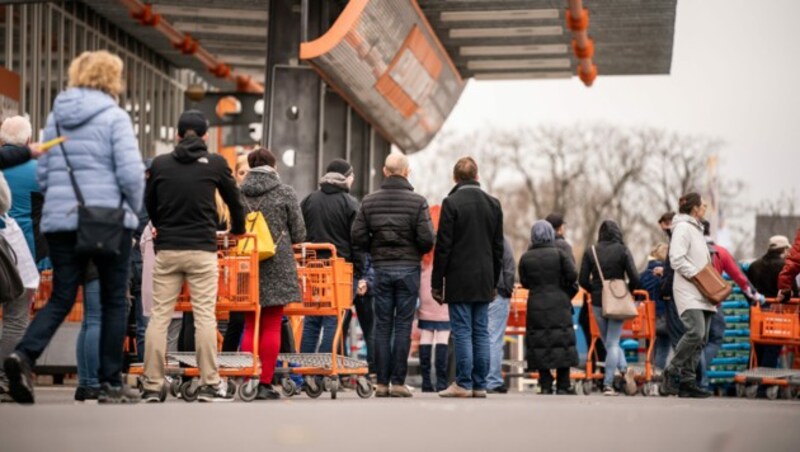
(470, 323)
(611, 332)
(498, 317)
(661, 351)
(88, 347)
(312, 327)
(68, 274)
(396, 292)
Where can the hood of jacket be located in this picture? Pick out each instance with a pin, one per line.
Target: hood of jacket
(610, 232)
(333, 183)
(684, 218)
(75, 106)
(259, 181)
(190, 149)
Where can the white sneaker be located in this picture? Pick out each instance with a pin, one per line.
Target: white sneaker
(610, 391)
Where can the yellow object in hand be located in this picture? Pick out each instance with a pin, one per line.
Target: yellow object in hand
(48, 144)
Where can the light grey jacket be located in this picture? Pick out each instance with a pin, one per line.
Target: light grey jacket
(688, 254)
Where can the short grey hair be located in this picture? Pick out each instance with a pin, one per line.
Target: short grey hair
(16, 130)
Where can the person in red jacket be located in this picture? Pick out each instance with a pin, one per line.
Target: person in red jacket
(786, 280)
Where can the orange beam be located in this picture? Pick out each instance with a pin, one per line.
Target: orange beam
(577, 18)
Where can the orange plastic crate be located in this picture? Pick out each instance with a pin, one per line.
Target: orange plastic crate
(775, 322)
(518, 312)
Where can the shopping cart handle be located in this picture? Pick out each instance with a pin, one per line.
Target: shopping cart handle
(645, 295)
(775, 300)
(301, 247)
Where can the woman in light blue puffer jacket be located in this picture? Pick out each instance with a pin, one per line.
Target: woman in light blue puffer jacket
(107, 165)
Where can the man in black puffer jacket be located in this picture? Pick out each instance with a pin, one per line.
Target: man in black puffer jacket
(329, 214)
(395, 226)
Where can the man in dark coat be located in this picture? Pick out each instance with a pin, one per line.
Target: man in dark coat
(467, 263)
(763, 274)
(394, 225)
(557, 221)
(329, 214)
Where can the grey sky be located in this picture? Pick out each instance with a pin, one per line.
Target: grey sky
(734, 76)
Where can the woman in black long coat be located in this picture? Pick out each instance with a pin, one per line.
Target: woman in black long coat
(548, 273)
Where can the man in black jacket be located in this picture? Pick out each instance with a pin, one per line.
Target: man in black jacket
(498, 320)
(467, 263)
(329, 214)
(395, 226)
(556, 220)
(180, 199)
(763, 273)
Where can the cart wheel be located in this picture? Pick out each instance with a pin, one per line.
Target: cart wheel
(647, 389)
(333, 387)
(772, 392)
(288, 387)
(139, 384)
(162, 394)
(313, 388)
(588, 387)
(740, 390)
(189, 391)
(175, 386)
(248, 390)
(751, 391)
(364, 388)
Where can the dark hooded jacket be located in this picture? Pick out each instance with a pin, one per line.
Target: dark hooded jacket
(329, 214)
(12, 155)
(549, 273)
(180, 197)
(264, 192)
(764, 271)
(615, 260)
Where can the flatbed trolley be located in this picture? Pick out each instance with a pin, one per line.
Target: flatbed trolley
(326, 286)
(772, 324)
(643, 326)
(517, 320)
(237, 292)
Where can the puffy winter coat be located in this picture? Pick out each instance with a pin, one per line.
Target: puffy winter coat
(263, 191)
(763, 272)
(394, 225)
(547, 272)
(615, 260)
(688, 254)
(329, 214)
(104, 154)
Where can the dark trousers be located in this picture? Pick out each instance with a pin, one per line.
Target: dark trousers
(562, 379)
(365, 310)
(68, 274)
(687, 353)
(233, 333)
(768, 355)
(397, 289)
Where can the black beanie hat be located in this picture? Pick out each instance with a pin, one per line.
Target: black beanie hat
(340, 166)
(192, 120)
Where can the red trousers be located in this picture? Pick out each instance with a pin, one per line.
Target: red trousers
(269, 341)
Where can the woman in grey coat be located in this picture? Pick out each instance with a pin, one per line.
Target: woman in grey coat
(263, 191)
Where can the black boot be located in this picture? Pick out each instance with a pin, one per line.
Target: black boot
(425, 352)
(691, 390)
(442, 378)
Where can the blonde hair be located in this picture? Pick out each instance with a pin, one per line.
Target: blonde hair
(660, 252)
(99, 70)
(223, 213)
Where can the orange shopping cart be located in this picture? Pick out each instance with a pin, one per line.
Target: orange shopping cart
(326, 285)
(45, 290)
(238, 292)
(643, 327)
(772, 324)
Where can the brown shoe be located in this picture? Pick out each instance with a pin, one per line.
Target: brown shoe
(456, 391)
(479, 394)
(382, 391)
(400, 391)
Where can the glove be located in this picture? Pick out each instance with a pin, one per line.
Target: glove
(438, 295)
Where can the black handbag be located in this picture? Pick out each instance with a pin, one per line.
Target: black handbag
(100, 229)
(11, 287)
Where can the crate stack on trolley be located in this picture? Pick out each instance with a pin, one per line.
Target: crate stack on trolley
(734, 355)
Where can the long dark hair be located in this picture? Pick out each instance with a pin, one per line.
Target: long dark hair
(688, 202)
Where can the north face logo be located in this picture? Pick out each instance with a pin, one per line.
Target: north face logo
(203, 160)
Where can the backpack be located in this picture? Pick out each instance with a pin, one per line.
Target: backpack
(11, 287)
(256, 224)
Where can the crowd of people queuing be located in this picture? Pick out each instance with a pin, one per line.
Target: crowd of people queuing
(448, 265)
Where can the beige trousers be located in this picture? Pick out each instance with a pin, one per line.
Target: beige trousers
(199, 270)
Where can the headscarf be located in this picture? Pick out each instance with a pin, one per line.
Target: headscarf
(542, 233)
